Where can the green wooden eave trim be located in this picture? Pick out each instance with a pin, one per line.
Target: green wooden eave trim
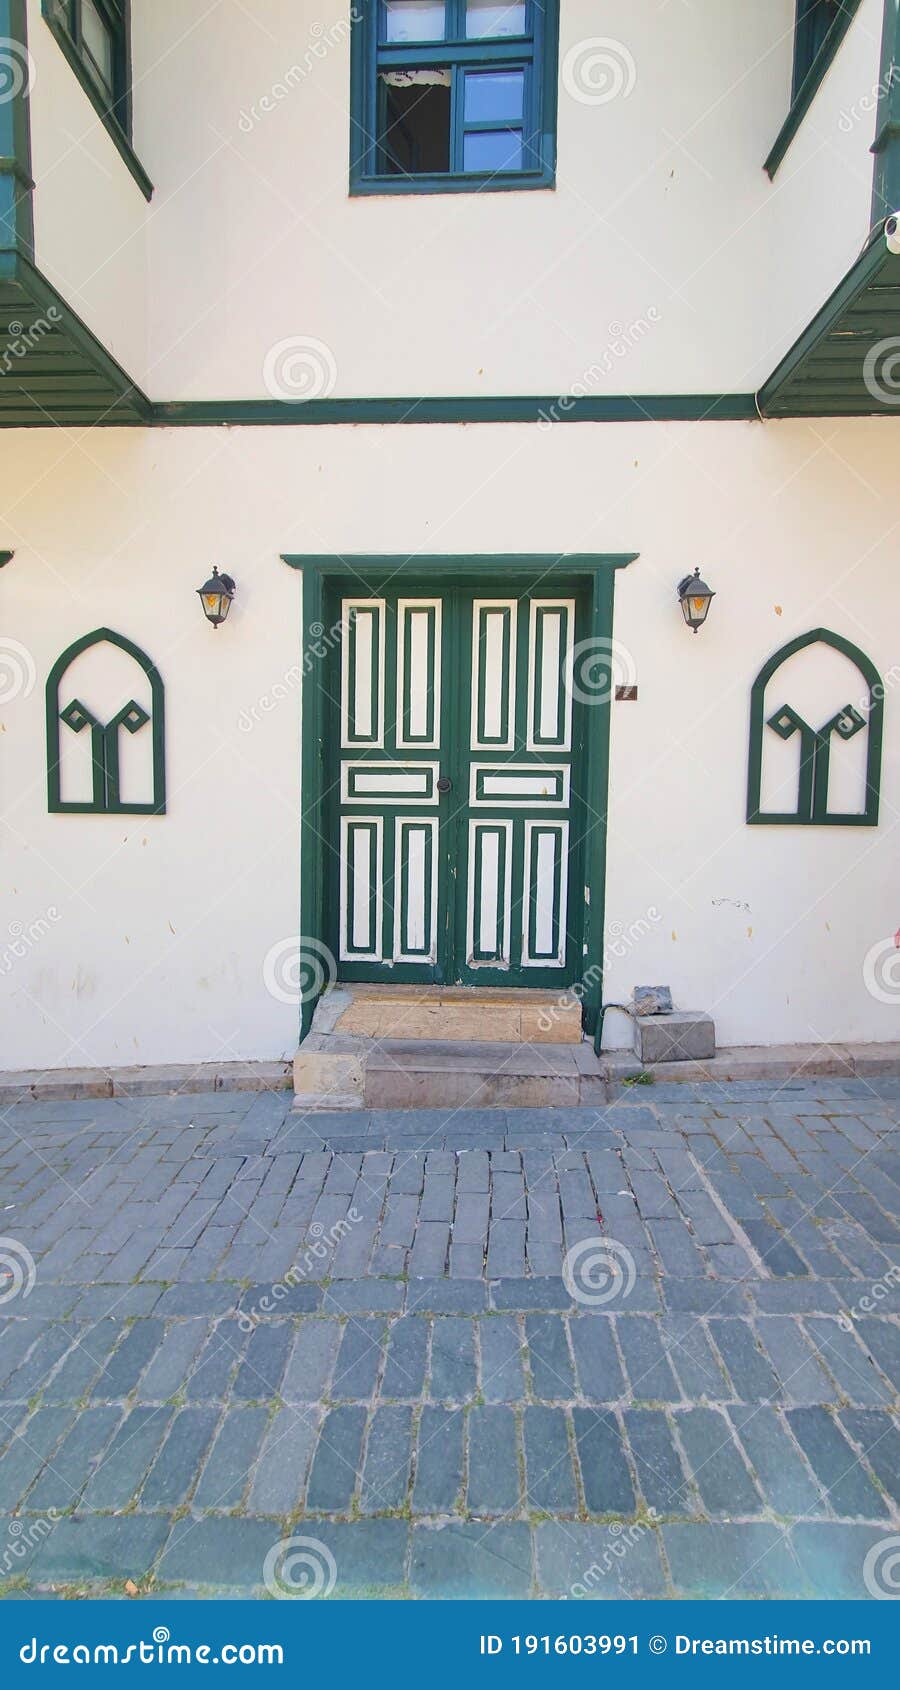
(5, 558)
(452, 565)
(502, 408)
(53, 369)
(120, 138)
(825, 371)
(886, 146)
(810, 85)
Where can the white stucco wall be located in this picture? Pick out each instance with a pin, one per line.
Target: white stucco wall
(155, 951)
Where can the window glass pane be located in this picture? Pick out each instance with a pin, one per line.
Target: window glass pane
(97, 37)
(493, 150)
(486, 17)
(414, 121)
(413, 20)
(494, 96)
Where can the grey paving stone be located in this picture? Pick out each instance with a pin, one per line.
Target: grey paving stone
(34, 1443)
(359, 1360)
(174, 1472)
(280, 1475)
(216, 1365)
(260, 1373)
(650, 1376)
(31, 1374)
(605, 1478)
(778, 1255)
(74, 1378)
(71, 1465)
(225, 1477)
(311, 1360)
(208, 1300)
(336, 1462)
(370, 1555)
(783, 1477)
(466, 1261)
(878, 1435)
(453, 1371)
(218, 1552)
(692, 1358)
(657, 1462)
(549, 1477)
(715, 1464)
(600, 1377)
(407, 1352)
(121, 1472)
(364, 1296)
(506, 1248)
(835, 1463)
(466, 1561)
(428, 1256)
(598, 1562)
(802, 1296)
(387, 1462)
(99, 1546)
(849, 1362)
(552, 1376)
(502, 1373)
(883, 1340)
(700, 1296)
(517, 1293)
(833, 1556)
(445, 1296)
(715, 1560)
(493, 1468)
(676, 1249)
(802, 1378)
(473, 1172)
(470, 1223)
(173, 1360)
(439, 1461)
(752, 1377)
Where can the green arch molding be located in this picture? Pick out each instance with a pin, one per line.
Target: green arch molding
(106, 799)
(812, 798)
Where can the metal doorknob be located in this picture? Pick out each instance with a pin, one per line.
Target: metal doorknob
(444, 784)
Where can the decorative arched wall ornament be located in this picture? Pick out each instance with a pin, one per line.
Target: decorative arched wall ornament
(105, 737)
(850, 717)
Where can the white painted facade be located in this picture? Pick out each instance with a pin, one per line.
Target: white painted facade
(143, 939)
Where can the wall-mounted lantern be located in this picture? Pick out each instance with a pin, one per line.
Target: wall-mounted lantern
(216, 595)
(695, 598)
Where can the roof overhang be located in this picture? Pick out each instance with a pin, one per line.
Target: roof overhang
(847, 362)
(53, 370)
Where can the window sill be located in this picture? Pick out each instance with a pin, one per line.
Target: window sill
(810, 85)
(468, 184)
(110, 123)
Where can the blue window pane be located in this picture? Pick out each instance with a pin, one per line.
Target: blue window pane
(494, 96)
(493, 150)
(413, 20)
(486, 18)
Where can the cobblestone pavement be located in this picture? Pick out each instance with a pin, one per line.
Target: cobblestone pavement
(249, 1326)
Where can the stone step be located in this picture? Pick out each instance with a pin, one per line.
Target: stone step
(493, 1014)
(438, 1073)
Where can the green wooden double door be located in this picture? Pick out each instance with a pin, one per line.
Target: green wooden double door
(454, 762)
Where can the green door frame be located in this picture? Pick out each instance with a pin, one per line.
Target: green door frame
(319, 570)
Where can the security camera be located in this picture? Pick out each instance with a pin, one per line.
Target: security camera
(892, 233)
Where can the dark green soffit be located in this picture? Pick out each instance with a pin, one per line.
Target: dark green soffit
(811, 84)
(845, 364)
(53, 370)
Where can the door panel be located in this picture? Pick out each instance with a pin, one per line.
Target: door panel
(457, 821)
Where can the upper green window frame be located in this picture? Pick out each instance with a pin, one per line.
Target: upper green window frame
(818, 32)
(486, 116)
(95, 37)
